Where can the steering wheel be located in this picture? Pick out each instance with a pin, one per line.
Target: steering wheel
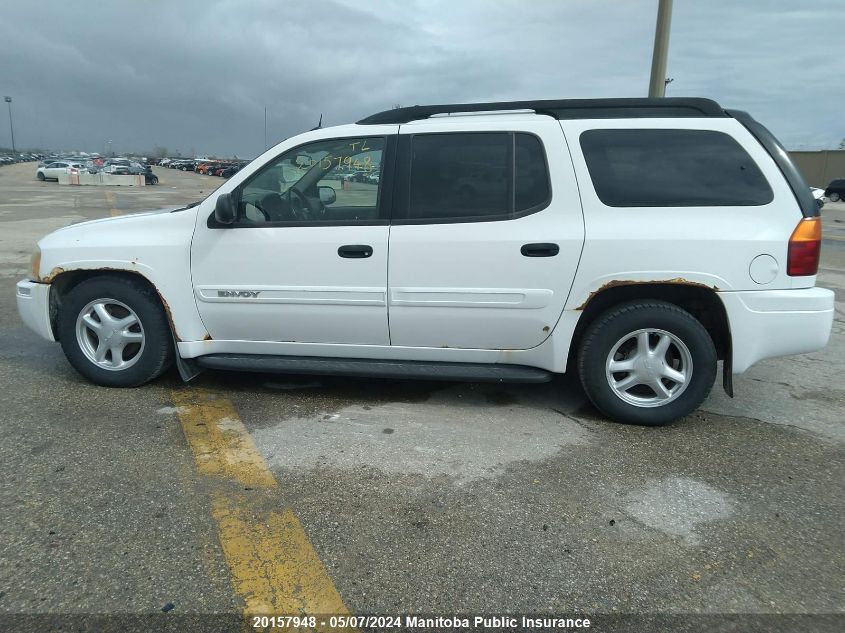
(298, 204)
(259, 205)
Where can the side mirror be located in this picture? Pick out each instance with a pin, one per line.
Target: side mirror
(327, 195)
(224, 209)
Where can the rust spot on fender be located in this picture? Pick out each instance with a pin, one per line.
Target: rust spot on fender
(546, 328)
(169, 315)
(49, 277)
(679, 281)
(58, 270)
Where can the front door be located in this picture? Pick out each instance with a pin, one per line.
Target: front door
(306, 259)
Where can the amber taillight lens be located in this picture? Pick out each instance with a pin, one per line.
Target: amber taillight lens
(804, 248)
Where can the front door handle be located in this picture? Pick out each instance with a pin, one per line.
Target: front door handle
(355, 251)
(540, 250)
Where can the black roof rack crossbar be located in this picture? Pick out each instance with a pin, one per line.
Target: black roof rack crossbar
(563, 109)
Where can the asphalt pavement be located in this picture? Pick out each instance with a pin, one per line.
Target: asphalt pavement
(427, 498)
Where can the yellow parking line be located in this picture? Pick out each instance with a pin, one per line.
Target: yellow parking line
(274, 567)
(218, 439)
(113, 211)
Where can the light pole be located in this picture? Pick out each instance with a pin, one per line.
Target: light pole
(8, 100)
(657, 84)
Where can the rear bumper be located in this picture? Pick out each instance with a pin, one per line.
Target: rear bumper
(34, 307)
(769, 323)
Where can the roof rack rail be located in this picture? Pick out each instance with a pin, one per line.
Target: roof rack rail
(564, 109)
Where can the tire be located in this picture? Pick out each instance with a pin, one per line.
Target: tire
(619, 335)
(144, 358)
(41, 176)
(834, 197)
(155, 180)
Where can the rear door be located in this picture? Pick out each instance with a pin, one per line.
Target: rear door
(55, 169)
(486, 234)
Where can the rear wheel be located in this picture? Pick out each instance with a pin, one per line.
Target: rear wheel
(646, 362)
(114, 332)
(834, 197)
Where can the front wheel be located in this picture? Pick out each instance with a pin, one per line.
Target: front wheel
(114, 332)
(647, 362)
(41, 176)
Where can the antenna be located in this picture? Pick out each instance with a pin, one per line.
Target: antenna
(319, 123)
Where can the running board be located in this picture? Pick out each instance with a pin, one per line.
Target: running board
(474, 372)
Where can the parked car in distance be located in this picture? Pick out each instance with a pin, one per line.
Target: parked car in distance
(149, 177)
(230, 171)
(626, 247)
(835, 191)
(52, 171)
(818, 194)
(116, 166)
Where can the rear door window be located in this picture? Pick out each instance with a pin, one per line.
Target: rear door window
(672, 168)
(531, 180)
(476, 176)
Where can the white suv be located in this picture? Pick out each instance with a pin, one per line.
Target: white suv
(635, 241)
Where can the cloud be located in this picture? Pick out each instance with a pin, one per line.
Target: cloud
(197, 76)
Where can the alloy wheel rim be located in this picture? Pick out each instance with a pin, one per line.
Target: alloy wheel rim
(649, 368)
(110, 334)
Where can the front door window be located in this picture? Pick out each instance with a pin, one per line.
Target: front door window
(331, 181)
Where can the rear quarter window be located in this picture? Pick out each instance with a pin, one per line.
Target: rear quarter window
(672, 168)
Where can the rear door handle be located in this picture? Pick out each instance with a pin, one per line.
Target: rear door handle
(355, 251)
(540, 250)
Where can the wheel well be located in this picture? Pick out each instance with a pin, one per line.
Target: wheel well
(67, 281)
(700, 301)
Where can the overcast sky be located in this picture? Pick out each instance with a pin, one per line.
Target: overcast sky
(196, 76)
